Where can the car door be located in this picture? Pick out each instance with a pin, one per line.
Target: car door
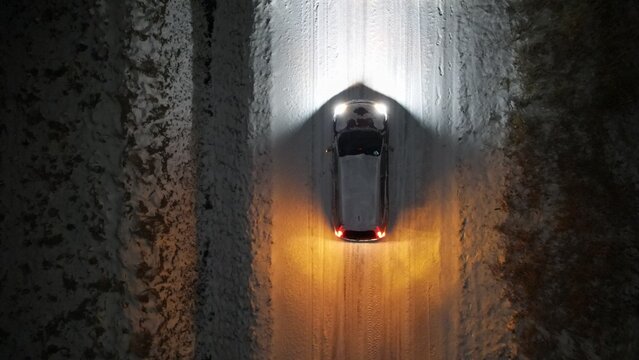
(335, 183)
(384, 181)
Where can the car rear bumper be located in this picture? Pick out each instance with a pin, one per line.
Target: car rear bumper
(361, 236)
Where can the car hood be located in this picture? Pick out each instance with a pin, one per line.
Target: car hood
(360, 111)
(359, 191)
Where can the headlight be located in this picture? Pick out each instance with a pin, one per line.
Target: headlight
(381, 108)
(339, 109)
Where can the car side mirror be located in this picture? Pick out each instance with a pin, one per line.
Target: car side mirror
(329, 149)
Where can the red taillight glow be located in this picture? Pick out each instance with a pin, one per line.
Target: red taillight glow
(339, 231)
(380, 234)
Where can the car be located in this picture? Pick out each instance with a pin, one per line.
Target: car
(360, 170)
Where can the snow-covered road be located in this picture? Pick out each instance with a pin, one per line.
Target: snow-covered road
(401, 297)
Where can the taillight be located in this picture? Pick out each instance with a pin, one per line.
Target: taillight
(379, 232)
(339, 231)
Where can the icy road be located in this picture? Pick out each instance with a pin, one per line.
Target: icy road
(421, 291)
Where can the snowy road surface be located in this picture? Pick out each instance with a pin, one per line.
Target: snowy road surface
(400, 297)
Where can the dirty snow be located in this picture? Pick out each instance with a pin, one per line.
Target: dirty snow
(98, 247)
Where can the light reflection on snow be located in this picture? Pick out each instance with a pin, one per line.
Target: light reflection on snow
(333, 298)
(353, 42)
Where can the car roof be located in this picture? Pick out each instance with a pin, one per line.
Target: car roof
(362, 139)
(359, 179)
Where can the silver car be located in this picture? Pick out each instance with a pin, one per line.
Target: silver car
(360, 170)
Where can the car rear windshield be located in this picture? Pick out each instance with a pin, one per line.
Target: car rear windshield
(360, 142)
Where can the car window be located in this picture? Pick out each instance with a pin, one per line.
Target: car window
(360, 142)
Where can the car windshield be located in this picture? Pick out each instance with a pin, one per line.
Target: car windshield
(360, 142)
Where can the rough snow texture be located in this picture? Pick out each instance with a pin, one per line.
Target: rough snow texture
(572, 226)
(156, 230)
(111, 124)
(485, 71)
(231, 125)
(96, 214)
